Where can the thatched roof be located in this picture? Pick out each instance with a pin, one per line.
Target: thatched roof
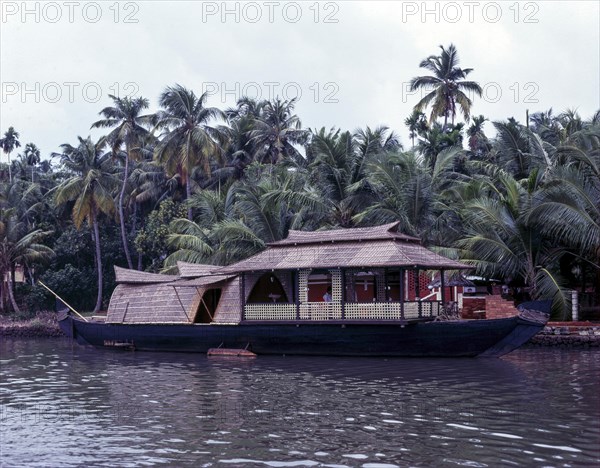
(203, 281)
(125, 276)
(346, 248)
(152, 303)
(174, 302)
(386, 231)
(194, 270)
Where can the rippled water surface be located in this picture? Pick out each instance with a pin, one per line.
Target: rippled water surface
(85, 407)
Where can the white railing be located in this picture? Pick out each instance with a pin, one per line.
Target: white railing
(390, 310)
(352, 311)
(270, 311)
(321, 311)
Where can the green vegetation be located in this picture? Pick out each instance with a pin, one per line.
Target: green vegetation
(201, 184)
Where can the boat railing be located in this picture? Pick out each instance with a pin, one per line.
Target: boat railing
(270, 311)
(320, 311)
(408, 310)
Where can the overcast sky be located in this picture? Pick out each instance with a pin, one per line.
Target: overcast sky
(348, 62)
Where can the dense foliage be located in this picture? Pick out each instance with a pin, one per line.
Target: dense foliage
(207, 185)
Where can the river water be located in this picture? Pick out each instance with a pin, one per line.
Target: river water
(73, 406)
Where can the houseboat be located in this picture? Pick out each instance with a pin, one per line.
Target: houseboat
(344, 292)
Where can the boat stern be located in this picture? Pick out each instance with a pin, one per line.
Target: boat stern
(532, 318)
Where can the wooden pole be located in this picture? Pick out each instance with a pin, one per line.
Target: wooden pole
(297, 292)
(181, 304)
(243, 295)
(402, 293)
(443, 286)
(62, 300)
(343, 275)
(418, 293)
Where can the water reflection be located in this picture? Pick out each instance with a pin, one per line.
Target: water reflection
(91, 407)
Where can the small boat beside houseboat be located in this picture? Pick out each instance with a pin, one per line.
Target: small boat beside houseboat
(344, 292)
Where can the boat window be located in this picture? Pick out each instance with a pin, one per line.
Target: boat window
(362, 287)
(208, 306)
(268, 289)
(393, 287)
(319, 284)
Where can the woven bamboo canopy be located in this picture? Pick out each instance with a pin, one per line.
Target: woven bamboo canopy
(376, 247)
(125, 276)
(155, 298)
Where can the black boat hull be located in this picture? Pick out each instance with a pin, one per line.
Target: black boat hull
(461, 338)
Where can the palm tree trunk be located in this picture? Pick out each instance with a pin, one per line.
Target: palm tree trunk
(31, 277)
(133, 234)
(2, 291)
(188, 194)
(121, 216)
(134, 219)
(597, 288)
(530, 276)
(188, 189)
(11, 296)
(98, 259)
(9, 169)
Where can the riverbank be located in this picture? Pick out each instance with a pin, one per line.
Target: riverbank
(568, 335)
(43, 325)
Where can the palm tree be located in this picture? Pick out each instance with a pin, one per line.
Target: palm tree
(547, 126)
(32, 156)
(238, 147)
(25, 198)
(269, 201)
(276, 130)
(90, 188)
(478, 141)
(436, 139)
(379, 140)
(407, 189)
(18, 246)
(568, 206)
(245, 107)
(128, 129)
(416, 124)
(238, 223)
(571, 122)
(501, 240)
(594, 120)
(189, 140)
(519, 150)
(448, 86)
(338, 170)
(8, 144)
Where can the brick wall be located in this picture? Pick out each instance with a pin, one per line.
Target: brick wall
(424, 280)
(471, 305)
(497, 307)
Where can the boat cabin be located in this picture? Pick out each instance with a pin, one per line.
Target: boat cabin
(358, 274)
